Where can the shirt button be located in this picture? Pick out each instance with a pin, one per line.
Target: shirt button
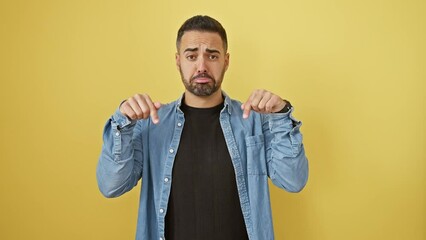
(161, 210)
(171, 150)
(166, 179)
(179, 124)
(117, 134)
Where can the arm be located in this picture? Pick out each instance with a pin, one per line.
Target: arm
(285, 155)
(120, 164)
(286, 161)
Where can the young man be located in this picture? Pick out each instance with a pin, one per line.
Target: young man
(205, 159)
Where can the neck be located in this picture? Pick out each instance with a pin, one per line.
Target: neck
(203, 101)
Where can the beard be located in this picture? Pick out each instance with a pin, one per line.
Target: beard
(202, 89)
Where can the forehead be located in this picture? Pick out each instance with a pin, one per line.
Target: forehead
(198, 39)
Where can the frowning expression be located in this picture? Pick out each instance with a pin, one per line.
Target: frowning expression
(202, 62)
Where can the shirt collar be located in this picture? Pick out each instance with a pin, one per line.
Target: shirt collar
(226, 105)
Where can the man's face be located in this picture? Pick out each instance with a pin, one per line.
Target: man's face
(202, 62)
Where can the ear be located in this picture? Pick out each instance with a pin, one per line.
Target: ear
(177, 58)
(226, 61)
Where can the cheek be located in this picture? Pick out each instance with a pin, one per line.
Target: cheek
(187, 66)
(186, 69)
(219, 69)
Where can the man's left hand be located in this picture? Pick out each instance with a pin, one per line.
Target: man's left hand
(262, 101)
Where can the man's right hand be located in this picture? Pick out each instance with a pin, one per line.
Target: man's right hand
(140, 106)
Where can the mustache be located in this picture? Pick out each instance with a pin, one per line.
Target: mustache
(202, 75)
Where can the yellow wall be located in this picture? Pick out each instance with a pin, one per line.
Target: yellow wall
(355, 70)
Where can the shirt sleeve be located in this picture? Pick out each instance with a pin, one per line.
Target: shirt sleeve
(120, 163)
(287, 164)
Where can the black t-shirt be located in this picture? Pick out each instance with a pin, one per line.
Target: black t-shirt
(204, 202)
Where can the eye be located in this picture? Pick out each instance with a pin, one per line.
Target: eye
(191, 57)
(213, 57)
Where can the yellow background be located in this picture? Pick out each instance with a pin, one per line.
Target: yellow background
(354, 70)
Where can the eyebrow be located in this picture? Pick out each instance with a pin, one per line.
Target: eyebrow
(191, 50)
(212, 50)
(207, 50)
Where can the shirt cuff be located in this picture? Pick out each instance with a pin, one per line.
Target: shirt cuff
(122, 120)
(282, 119)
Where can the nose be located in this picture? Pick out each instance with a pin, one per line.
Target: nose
(201, 66)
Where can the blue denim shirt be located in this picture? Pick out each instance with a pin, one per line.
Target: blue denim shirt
(261, 146)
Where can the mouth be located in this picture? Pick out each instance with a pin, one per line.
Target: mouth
(202, 78)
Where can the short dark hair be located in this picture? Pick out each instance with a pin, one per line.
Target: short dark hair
(202, 24)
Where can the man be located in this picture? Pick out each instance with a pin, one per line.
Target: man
(205, 159)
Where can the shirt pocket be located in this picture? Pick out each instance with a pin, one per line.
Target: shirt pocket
(256, 164)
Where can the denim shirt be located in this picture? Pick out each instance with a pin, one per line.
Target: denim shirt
(261, 146)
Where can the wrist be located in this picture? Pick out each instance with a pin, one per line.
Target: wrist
(286, 108)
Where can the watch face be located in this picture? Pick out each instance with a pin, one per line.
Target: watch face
(288, 109)
(288, 106)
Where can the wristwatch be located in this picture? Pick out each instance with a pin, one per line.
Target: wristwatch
(286, 108)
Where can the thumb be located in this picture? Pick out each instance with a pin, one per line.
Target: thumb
(246, 109)
(153, 113)
(157, 105)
